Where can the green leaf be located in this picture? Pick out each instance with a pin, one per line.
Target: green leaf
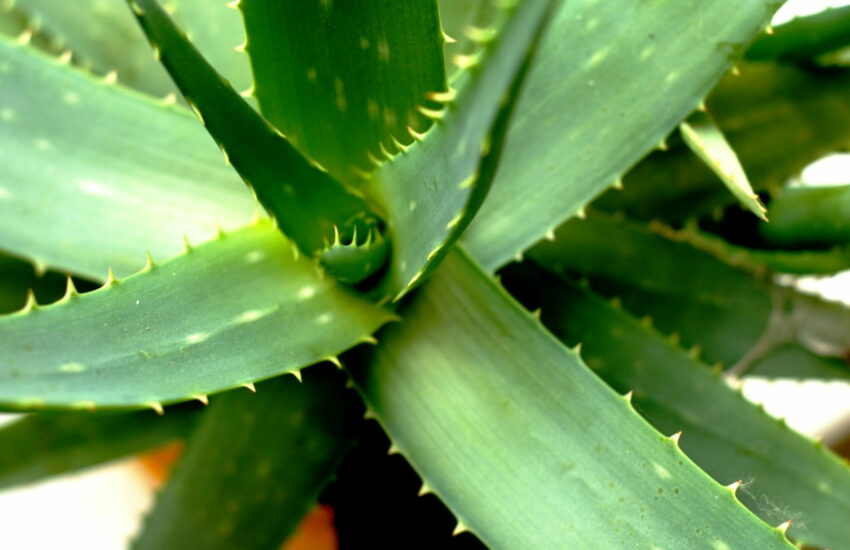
(735, 317)
(793, 361)
(805, 38)
(802, 216)
(255, 465)
(302, 197)
(787, 477)
(343, 79)
(93, 175)
(582, 465)
(431, 192)
(778, 118)
(228, 313)
(45, 445)
(757, 260)
(105, 37)
(707, 141)
(586, 116)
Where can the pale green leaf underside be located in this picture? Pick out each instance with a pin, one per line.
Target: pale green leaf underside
(582, 465)
(40, 446)
(343, 79)
(586, 115)
(255, 465)
(707, 142)
(430, 192)
(94, 175)
(230, 312)
(787, 476)
(104, 36)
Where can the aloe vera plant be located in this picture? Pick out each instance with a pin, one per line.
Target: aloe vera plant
(397, 188)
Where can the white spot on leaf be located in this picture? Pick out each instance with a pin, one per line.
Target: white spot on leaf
(196, 337)
(255, 256)
(661, 471)
(95, 189)
(383, 49)
(373, 108)
(307, 292)
(339, 88)
(72, 367)
(324, 319)
(252, 315)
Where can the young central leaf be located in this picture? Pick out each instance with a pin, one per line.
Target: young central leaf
(342, 79)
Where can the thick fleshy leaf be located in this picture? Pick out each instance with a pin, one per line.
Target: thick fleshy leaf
(794, 362)
(801, 216)
(805, 38)
(304, 199)
(343, 79)
(736, 317)
(586, 116)
(45, 445)
(431, 191)
(567, 459)
(811, 261)
(228, 313)
(787, 476)
(777, 117)
(94, 175)
(255, 465)
(707, 142)
(104, 36)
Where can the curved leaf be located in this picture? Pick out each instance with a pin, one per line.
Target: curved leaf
(93, 175)
(736, 317)
(707, 141)
(586, 117)
(229, 313)
(304, 199)
(255, 465)
(787, 477)
(777, 117)
(567, 460)
(343, 79)
(431, 191)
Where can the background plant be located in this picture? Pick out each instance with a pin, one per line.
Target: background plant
(385, 174)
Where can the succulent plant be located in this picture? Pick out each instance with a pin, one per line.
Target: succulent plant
(421, 212)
